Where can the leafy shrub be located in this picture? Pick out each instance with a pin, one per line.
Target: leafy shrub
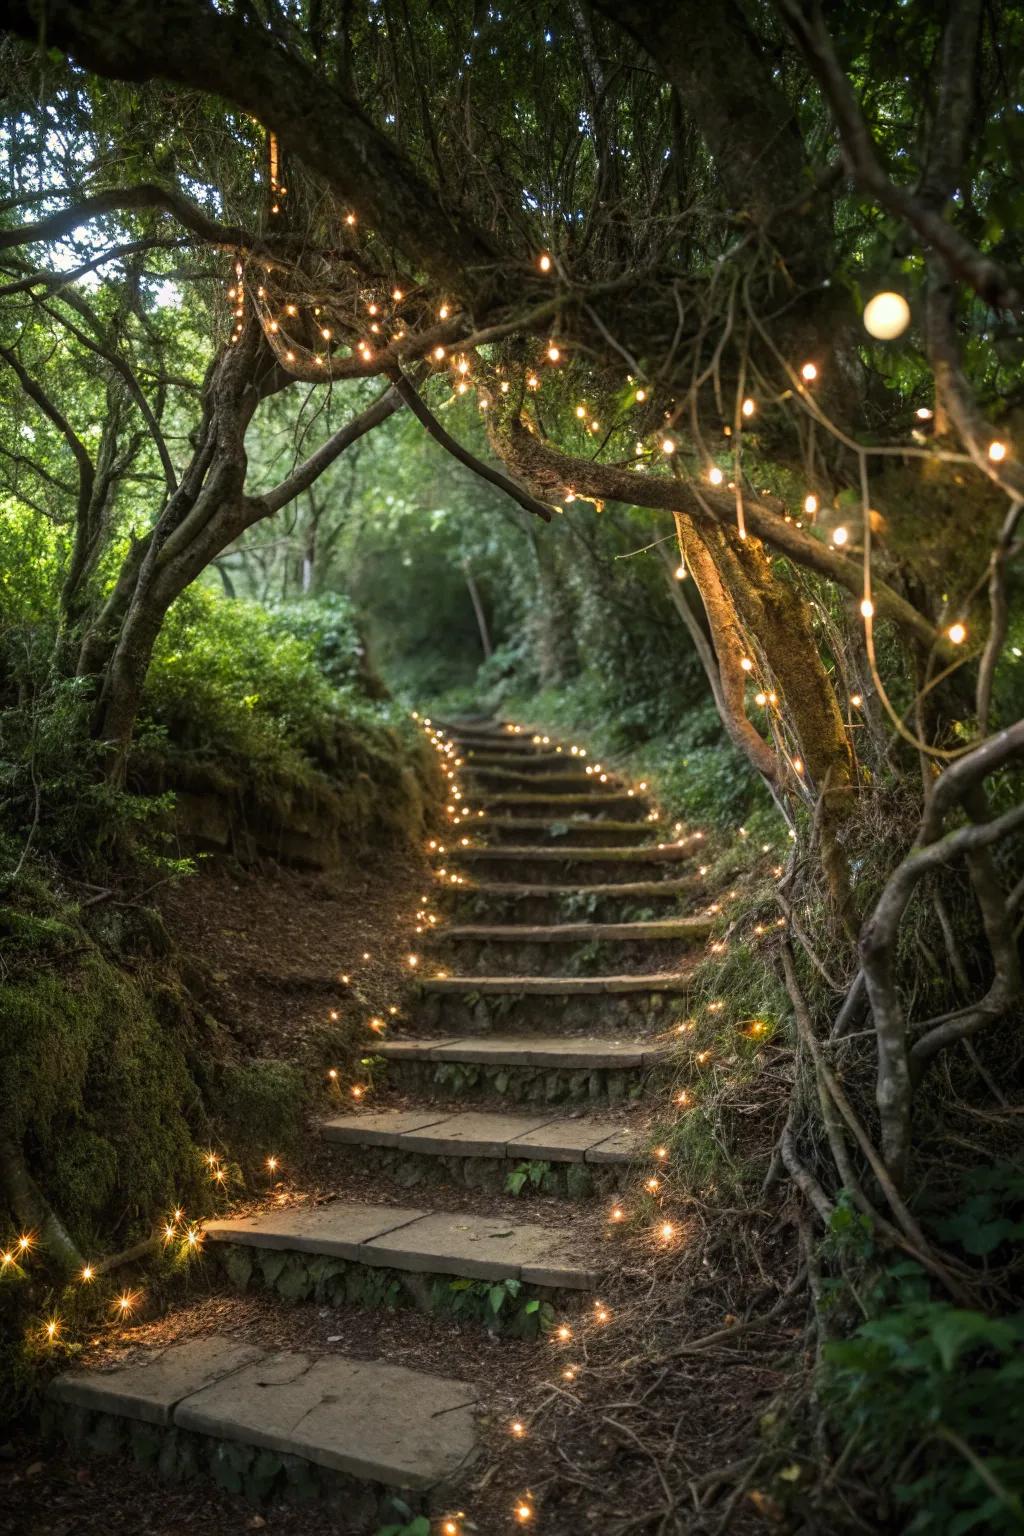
(933, 1393)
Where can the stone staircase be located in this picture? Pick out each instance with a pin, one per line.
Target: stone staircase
(558, 1019)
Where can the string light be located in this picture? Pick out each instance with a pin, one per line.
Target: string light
(840, 535)
(997, 452)
(809, 372)
(749, 407)
(957, 633)
(517, 1429)
(524, 1512)
(272, 1164)
(886, 316)
(867, 608)
(126, 1303)
(810, 505)
(544, 262)
(668, 445)
(666, 1231)
(87, 1273)
(746, 664)
(856, 700)
(715, 475)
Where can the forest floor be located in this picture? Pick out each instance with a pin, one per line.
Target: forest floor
(263, 947)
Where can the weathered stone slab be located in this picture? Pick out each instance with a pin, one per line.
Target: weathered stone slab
(559, 986)
(659, 853)
(383, 1423)
(482, 1248)
(341, 1229)
(379, 1128)
(573, 1141)
(580, 933)
(150, 1387)
(473, 1134)
(528, 1051)
(417, 1049)
(621, 1147)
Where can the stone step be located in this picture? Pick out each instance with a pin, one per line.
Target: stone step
(570, 831)
(422, 1242)
(564, 779)
(523, 1070)
(499, 741)
(365, 1426)
(652, 931)
(529, 764)
(546, 1136)
(555, 986)
(535, 902)
(550, 804)
(611, 1005)
(583, 1052)
(656, 853)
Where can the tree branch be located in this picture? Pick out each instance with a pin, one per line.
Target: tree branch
(313, 467)
(988, 278)
(428, 420)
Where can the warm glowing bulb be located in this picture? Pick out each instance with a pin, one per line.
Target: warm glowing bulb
(746, 664)
(667, 1231)
(810, 505)
(749, 407)
(809, 371)
(886, 316)
(957, 633)
(271, 1164)
(641, 395)
(524, 1513)
(840, 535)
(544, 262)
(438, 353)
(667, 445)
(867, 608)
(923, 413)
(617, 1214)
(681, 572)
(761, 698)
(856, 700)
(87, 1272)
(413, 961)
(554, 353)
(517, 1428)
(715, 475)
(997, 452)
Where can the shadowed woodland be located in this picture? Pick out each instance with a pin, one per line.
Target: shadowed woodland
(643, 375)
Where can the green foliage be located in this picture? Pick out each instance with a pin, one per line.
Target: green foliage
(931, 1393)
(261, 1105)
(533, 1173)
(95, 1079)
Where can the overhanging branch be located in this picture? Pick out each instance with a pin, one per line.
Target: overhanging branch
(427, 419)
